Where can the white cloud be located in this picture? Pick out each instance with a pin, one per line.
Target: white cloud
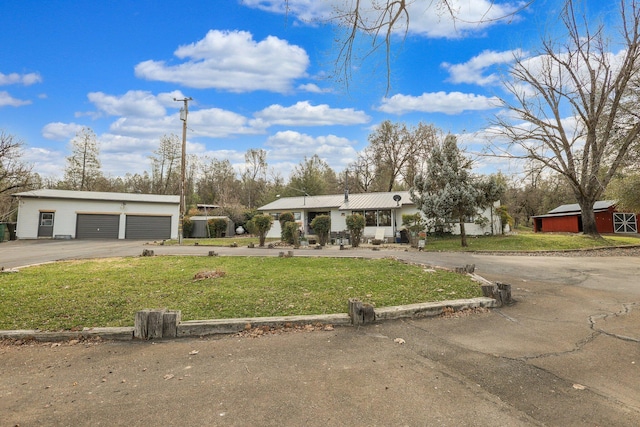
(232, 61)
(304, 114)
(134, 102)
(121, 144)
(307, 11)
(438, 102)
(212, 122)
(287, 145)
(472, 71)
(58, 131)
(24, 79)
(48, 163)
(428, 19)
(6, 99)
(312, 88)
(470, 17)
(217, 123)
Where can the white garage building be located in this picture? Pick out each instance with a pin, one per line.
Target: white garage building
(96, 215)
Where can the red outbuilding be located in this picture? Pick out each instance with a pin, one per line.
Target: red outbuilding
(568, 218)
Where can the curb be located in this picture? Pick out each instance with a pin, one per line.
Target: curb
(199, 328)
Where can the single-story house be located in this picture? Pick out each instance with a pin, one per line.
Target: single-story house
(68, 214)
(568, 218)
(382, 211)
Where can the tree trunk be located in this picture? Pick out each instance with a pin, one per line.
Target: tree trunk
(463, 234)
(588, 218)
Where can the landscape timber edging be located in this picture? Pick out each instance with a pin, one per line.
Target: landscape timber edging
(432, 309)
(197, 328)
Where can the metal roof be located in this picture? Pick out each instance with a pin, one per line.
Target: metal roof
(601, 205)
(304, 202)
(99, 195)
(359, 201)
(363, 201)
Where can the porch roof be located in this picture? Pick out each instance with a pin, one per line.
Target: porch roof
(358, 201)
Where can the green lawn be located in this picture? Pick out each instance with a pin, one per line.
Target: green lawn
(521, 241)
(108, 292)
(524, 241)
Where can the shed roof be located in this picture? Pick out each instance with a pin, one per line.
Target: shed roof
(601, 205)
(99, 195)
(358, 201)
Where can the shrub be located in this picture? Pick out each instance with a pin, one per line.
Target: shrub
(290, 233)
(414, 224)
(187, 227)
(260, 224)
(505, 218)
(355, 224)
(286, 235)
(217, 227)
(321, 226)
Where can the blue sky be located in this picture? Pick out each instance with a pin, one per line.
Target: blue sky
(259, 77)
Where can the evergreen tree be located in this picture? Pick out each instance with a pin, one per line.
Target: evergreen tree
(83, 165)
(448, 192)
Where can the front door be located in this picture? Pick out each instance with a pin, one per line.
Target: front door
(45, 228)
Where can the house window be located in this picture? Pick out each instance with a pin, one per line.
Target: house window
(375, 218)
(370, 218)
(46, 219)
(297, 216)
(625, 223)
(384, 218)
(275, 216)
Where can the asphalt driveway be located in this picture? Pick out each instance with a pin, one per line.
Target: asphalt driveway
(567, 353)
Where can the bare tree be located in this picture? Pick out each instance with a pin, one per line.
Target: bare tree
(380, 20)
(597, 87)
(399, 153)
(15, 175)
(83, 165)
(218, 182)
(254, 175)
(165, 165)
(364, 171)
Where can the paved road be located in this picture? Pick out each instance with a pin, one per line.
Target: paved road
(567, 353)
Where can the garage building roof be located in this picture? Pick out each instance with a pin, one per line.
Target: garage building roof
(99, 195)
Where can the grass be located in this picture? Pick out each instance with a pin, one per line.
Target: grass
(108, 292)
(221, 241)
(523, 241)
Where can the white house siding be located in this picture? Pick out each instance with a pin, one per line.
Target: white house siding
(66, 211)
(338, 220)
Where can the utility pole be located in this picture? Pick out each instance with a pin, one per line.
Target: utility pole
(184, 112)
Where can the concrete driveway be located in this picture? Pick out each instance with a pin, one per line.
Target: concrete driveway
(567, 353)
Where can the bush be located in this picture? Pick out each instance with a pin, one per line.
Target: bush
(290, 233)
(285, 218)
(321, 226)
(355, 224)
(187, 227)
(260, 225)
(217, 227)
(414, 224)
